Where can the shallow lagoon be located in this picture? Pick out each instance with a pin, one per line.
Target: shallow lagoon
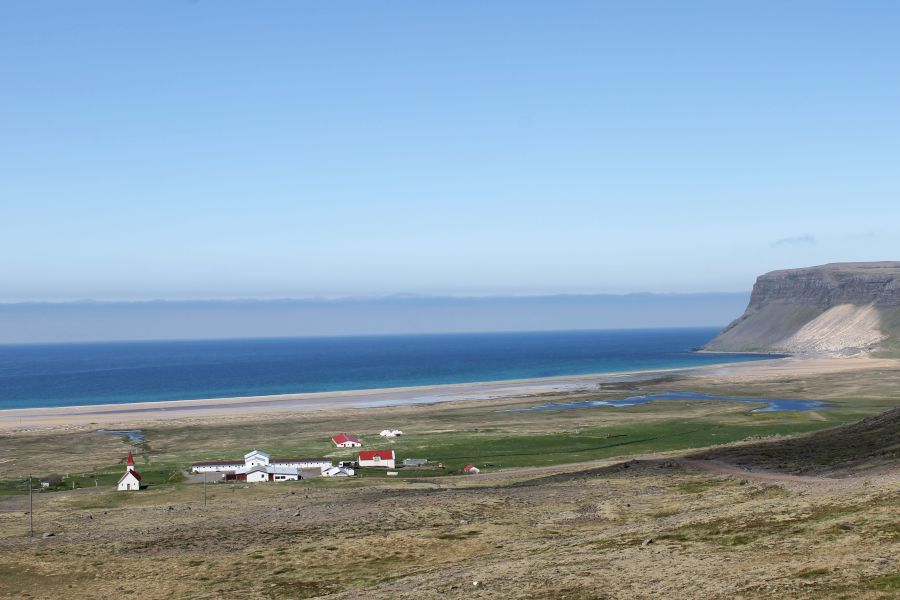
(772, 404)
(135, 436)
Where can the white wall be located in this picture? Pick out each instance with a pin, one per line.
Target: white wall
(389, 463)
(217, 468)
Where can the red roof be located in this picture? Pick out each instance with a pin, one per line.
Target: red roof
(135, 473)
(343, 437)
(468, 467)
(381, 454)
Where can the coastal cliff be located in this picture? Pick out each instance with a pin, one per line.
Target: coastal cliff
(835, 309)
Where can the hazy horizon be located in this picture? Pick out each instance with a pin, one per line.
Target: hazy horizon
(52, 322)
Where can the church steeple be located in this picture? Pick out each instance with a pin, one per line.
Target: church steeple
(129, 464)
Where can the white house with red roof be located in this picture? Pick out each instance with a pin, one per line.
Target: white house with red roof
(131, 480)
(471, 470)
(377, 458)
(345, 440)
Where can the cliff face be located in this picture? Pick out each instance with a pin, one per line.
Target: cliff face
(843, 308)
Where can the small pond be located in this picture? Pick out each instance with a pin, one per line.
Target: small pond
(772, 404)
(134, 435)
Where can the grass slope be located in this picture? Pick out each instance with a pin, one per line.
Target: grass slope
(871, 443)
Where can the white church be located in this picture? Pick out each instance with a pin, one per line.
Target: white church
(131, 480)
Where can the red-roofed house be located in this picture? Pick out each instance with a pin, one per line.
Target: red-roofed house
(131, 480)
(377, 458)
(343, 440)
(471, 470)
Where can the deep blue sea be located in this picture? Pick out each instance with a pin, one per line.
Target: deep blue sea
(122, 372)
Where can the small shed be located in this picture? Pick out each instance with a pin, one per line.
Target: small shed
(471, 470)
(337, 472)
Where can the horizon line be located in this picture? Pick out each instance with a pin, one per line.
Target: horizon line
(364, 335)
(357, 298)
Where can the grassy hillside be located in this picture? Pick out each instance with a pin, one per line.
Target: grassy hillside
(871, 443)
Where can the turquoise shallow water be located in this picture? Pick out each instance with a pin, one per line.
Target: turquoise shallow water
(771, 404)
(123, 372)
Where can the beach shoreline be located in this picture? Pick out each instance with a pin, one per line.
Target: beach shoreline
(161, 411)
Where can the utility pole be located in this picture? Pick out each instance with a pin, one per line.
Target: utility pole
(30, 509)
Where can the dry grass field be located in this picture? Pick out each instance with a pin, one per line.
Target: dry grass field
(555, 532)
(587, 503)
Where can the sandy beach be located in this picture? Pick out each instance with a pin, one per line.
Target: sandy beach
(150, 412)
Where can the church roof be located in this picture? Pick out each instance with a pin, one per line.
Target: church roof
(127, 473)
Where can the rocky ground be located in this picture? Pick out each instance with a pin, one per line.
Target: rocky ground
(771, 516)
(656, 527)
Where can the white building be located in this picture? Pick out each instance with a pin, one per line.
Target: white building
(270, 473)
(389, 433)
(131, 480)
(337, 472)
(272, 469)
(256, 458)
(301, 463)
(377, 458)
(344, 440)
(217, 466)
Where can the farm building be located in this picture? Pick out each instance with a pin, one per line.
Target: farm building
(415, 462)
(344, 440)
(260, 466)
(337, 472)
(131, 480)
(217, 466)
(471, 470)
(377, 458)
(271, 473)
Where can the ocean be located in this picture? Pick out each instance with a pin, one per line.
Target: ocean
(73, 374)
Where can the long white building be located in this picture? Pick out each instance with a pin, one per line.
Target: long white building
(260, 466)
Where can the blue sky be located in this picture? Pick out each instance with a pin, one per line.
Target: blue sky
(294, 149)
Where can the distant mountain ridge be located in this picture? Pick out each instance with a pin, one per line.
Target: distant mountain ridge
(834, 309)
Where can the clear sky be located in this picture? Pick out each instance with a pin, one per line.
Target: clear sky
(292, 149)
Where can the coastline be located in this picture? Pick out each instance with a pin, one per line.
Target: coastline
(172, 410)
